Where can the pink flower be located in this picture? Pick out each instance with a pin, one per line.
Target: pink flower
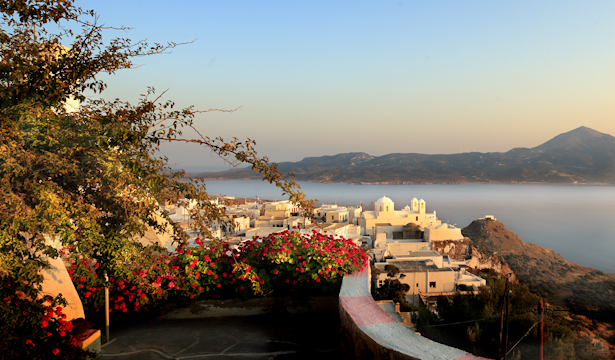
(171, 285)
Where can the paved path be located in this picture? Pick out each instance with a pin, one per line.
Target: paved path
(286, 336)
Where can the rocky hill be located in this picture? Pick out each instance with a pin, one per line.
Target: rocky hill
(587, 291)
(582, 155)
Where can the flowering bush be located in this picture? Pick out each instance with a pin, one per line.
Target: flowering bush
(286, 263)
(34, 329)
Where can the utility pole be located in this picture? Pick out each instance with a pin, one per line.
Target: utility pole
(506, 328)
(540, 330)
(502, 340)
(107, 306)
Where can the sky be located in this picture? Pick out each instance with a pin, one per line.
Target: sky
(317, 78)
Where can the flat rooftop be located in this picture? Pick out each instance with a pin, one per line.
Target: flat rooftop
(413, 266)
(420, 253)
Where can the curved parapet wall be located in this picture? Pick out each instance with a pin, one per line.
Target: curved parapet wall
(368, 332)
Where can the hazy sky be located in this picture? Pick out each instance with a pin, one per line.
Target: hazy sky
(319, 78)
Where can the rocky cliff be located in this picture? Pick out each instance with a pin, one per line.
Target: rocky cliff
(476, 260)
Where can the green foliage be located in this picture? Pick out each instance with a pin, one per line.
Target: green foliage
(392, 270)
(89, 179)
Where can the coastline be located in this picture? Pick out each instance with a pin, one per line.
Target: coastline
(419, 183)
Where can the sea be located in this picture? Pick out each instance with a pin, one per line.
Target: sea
(575, 221)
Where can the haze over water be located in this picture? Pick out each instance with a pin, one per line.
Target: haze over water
(574, 221)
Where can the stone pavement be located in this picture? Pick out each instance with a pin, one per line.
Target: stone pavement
(280, 337)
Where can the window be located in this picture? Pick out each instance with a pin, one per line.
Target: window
(432, 284)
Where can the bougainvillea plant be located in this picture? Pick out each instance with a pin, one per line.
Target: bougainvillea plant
(283, 264)
(38, 327)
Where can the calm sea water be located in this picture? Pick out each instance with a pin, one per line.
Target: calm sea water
(577, 222)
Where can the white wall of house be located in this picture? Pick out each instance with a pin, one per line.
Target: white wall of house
(442, 232)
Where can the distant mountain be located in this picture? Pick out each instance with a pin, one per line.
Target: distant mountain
(580, 156)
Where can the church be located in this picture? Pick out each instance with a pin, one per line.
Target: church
(384, 214)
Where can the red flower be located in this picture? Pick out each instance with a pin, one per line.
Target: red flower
(218, 285)
(55, 351)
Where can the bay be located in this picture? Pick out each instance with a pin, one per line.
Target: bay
(577, 222)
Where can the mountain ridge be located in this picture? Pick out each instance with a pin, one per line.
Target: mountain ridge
(579, 156)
